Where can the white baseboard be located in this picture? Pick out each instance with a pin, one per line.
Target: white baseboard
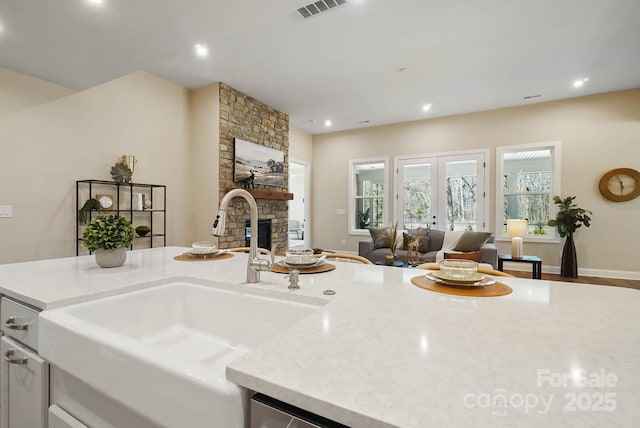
(601, 273)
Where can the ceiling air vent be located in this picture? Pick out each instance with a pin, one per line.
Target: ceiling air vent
(319, 7)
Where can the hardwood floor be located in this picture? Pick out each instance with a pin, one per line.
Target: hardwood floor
(615, 282)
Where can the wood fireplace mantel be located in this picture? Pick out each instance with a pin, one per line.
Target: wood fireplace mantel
(268, 194)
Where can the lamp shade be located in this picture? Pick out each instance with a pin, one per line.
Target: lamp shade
(516, 227)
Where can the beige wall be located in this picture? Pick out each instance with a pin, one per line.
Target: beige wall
(46, 148)
(300, 145)
(598, 133)
(205, 142)
(20, 92)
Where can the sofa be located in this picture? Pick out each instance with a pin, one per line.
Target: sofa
(435, 252)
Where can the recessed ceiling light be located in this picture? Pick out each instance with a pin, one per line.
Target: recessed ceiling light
(96, 2)
(578, 83)
(426, 107)
(327, 122)
(201, 50)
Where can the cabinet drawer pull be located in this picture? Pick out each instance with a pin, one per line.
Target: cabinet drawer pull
(10, 324)
(9, 353)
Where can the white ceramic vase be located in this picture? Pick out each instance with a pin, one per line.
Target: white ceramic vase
(111, 258)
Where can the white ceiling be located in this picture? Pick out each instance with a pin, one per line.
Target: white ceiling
(461, 55)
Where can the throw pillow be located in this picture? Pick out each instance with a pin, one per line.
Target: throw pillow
(423, 242)
(380, 238)
(471, 241)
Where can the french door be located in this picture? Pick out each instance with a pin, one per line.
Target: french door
(442, 192)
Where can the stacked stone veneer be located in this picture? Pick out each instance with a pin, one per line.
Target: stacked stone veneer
(248, 119)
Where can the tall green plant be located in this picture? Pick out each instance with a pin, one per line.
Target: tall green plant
(108, 232)
(570, 217)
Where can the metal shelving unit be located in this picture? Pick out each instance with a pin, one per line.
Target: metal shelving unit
(123, 204)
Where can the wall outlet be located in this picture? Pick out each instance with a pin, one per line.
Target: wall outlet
(341, 211)
(6, 211)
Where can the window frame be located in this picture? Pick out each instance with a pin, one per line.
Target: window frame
(555, 147)
(352, 229)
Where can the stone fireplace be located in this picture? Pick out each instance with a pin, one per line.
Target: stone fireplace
(244, 117)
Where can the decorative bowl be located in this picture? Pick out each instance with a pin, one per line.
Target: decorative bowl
(142, 230)
(299, 256)
(458, 268)
(203, 247)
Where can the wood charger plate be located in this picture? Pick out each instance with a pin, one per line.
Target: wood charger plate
(318, 269)
(497, 289)
(184, 258)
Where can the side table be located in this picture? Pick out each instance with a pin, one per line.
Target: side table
(534, 260)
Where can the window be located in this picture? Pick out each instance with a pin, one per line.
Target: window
(527, 178)
(367, 205)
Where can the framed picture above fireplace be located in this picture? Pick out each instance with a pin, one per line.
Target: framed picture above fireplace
(266, 164)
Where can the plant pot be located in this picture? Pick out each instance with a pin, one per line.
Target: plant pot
(111, 258)
(569, 263)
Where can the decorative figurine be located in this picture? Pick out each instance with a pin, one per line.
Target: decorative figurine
(248, 182)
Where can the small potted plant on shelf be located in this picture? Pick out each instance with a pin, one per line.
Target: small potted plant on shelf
(83, 213)
(109, 236)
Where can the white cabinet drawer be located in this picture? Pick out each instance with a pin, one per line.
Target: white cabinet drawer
(25, 387)
(19, 322)
(58, 418)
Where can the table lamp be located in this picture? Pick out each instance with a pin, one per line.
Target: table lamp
(516, 229)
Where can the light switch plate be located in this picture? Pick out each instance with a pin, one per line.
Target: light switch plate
(6, 211)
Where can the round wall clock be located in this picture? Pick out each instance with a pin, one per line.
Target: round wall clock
(620, 184)
(106, 201)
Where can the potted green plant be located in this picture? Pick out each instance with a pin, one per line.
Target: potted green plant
(364, 220)
(109, 236)
(569, 218)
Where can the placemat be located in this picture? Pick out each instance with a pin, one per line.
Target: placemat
(318, 269)
(497, 289)
(184, 258)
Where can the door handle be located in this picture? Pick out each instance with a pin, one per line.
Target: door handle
(9, 354)
(10, 324)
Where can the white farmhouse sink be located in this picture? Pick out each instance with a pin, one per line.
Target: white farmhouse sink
(162, 351)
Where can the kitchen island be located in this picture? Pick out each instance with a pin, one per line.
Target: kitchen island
(382, 352)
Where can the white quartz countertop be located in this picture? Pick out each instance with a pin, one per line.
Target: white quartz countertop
(383, 352)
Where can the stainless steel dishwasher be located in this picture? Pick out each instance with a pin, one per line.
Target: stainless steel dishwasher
(267, 412)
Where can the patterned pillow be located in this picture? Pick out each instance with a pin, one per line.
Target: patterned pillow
(423, 241)
(380, 238)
